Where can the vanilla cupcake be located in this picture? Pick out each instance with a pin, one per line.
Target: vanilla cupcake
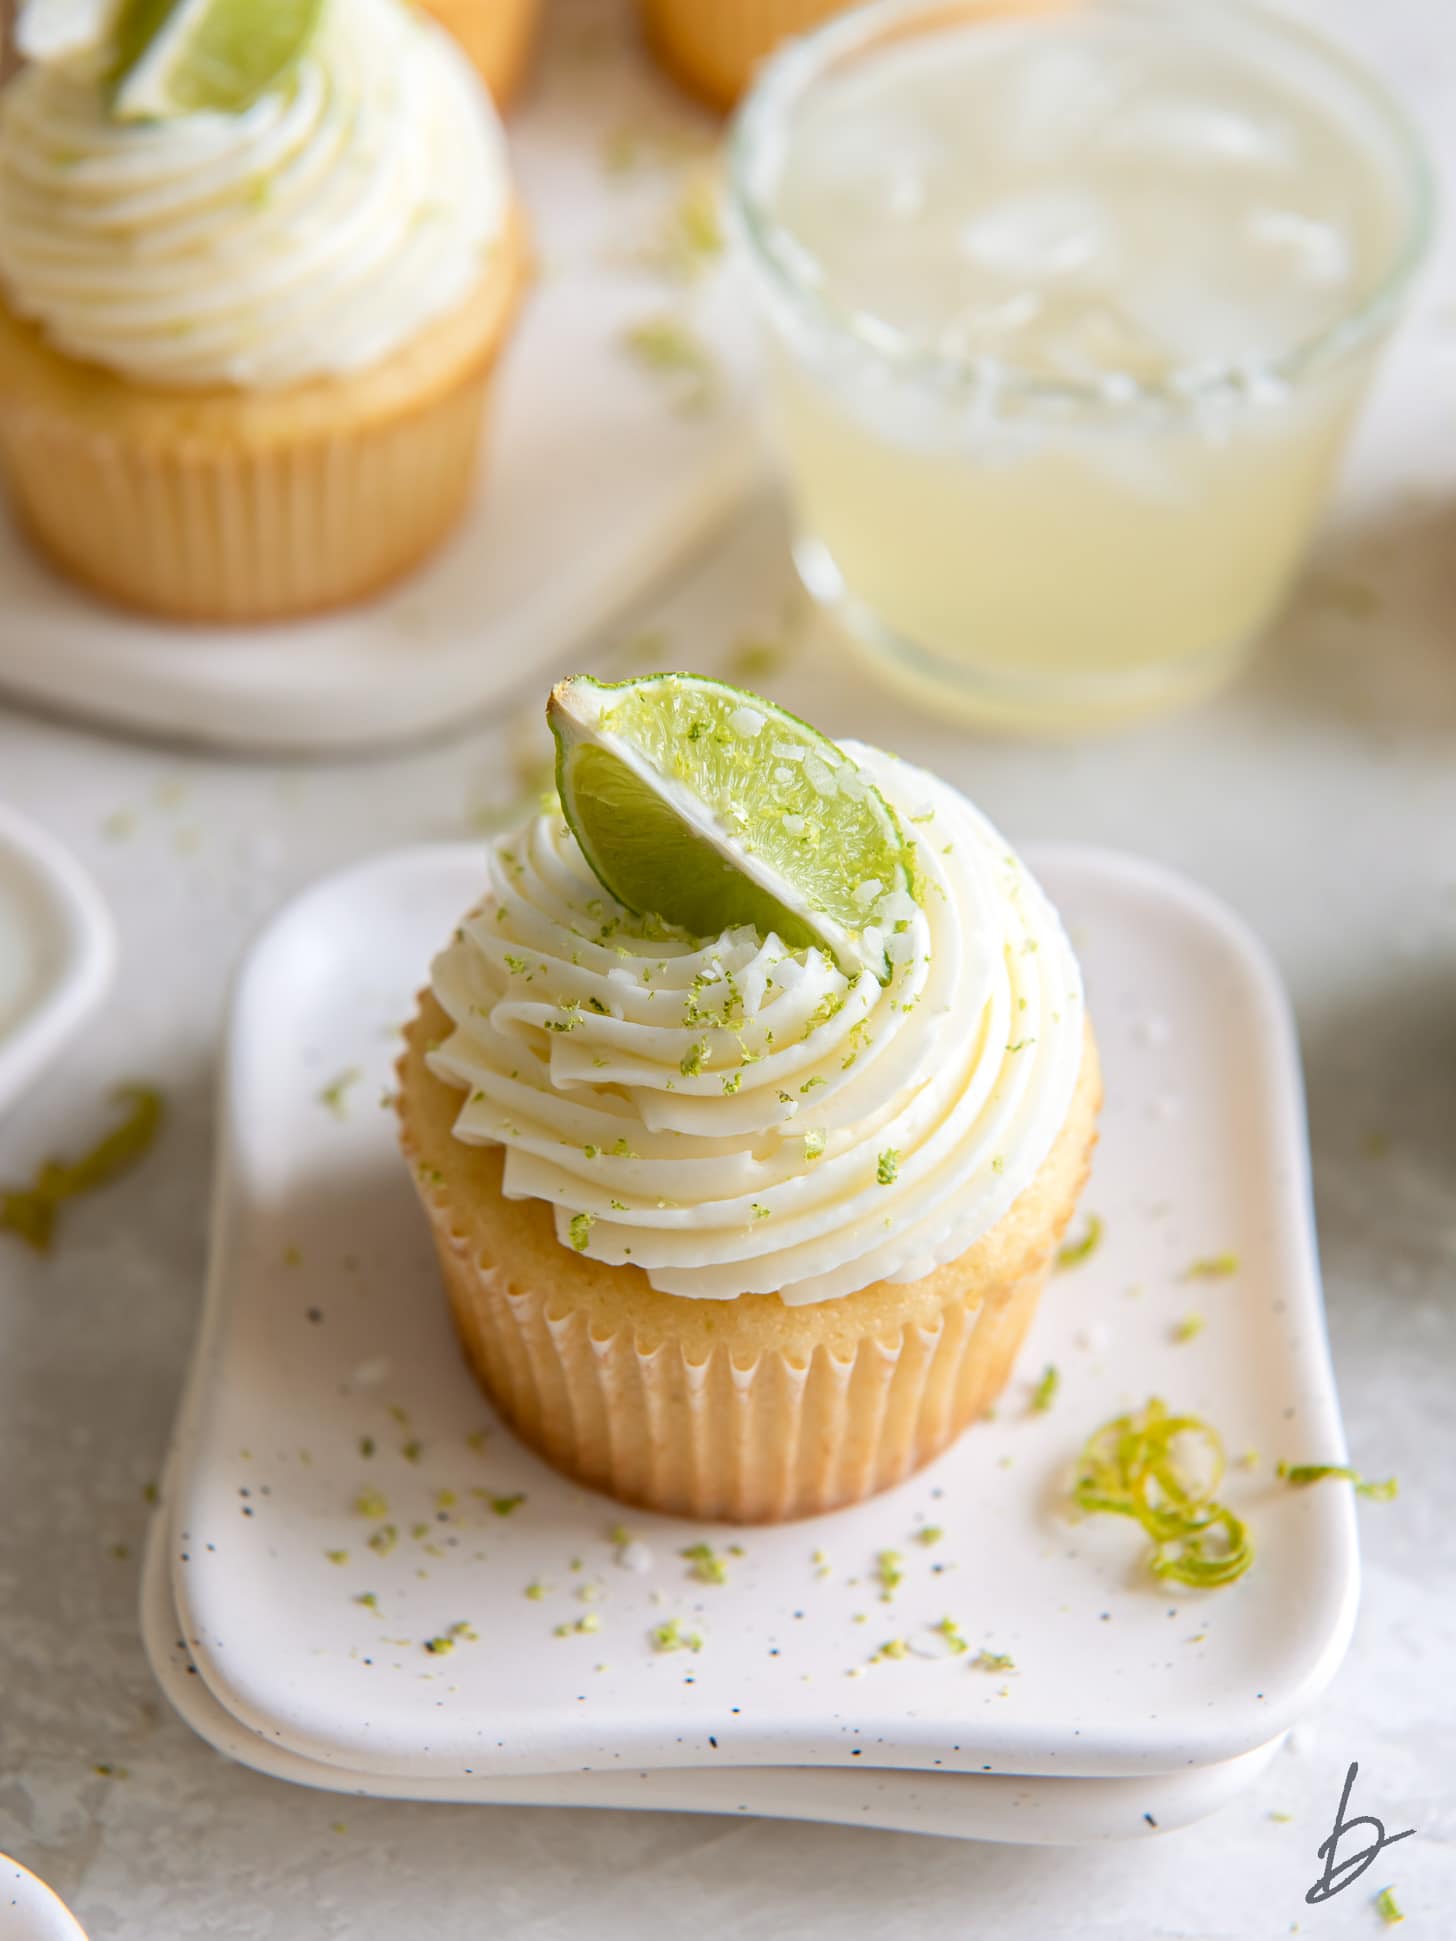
(711, 47)
(498, 35)
(726, 1231)
(244, 358)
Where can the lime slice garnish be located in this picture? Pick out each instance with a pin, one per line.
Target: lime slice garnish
(180, 57)
(712, 807)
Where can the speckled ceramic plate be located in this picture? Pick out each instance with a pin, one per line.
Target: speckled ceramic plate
(29, 1911)
(597, 479)
(327, 1379)
(965, 1806)
(57, 949)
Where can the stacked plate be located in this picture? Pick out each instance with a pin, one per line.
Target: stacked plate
(358, 1579)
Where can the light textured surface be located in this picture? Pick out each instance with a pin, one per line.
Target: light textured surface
(1319, 797)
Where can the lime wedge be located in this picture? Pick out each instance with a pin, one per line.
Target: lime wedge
(712, 807)
(181, 57)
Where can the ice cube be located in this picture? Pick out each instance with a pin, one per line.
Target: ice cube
(1048, 233)
(1058, 100)
(1174, 128)
(1314, 250)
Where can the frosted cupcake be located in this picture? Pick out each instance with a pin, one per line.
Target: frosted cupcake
(711, 47)
(498, 36)
(749, 1222)
(244, 356)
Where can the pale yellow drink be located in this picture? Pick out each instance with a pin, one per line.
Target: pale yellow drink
(1069, 311)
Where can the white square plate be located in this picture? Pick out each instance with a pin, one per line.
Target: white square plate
(326, 1336)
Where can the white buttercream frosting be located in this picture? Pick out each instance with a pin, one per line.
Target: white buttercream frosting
(734, 1117)
(311, 235)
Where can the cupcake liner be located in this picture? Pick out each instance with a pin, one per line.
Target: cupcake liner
(713, 1438)
(239, 536)
(247, 506)
(498, 36)
(711, 47)
(745, 1410)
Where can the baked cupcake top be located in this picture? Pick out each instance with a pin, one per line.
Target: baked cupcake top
(310, 235)
(734, 1116)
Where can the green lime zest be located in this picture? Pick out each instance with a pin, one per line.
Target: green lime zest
(1163, 1471)
(707, 1566)
(29, 1212)
(1386, 1908)
(1045, 1392)
(710, 807)
(1078, 1251)
(888, 1574)
(671, 1636)
(671, 349)
(1213, 1267)
(1302, 1473)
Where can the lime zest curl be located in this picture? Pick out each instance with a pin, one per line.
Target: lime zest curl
(1302, 1473)
(1142, 1465)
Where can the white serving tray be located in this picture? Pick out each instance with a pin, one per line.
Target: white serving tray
(57, 950)
(323, 1316)
(595, 484)
(29, 1911)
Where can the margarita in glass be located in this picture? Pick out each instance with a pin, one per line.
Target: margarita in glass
(1069, 308)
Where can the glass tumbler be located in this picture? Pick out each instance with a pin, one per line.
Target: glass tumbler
(1054, 453)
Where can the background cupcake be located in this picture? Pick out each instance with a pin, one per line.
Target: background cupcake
(498, 36)
(244, 355)
(731, 1228)
(711, 47)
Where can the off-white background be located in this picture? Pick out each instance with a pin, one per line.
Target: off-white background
(1319, 797)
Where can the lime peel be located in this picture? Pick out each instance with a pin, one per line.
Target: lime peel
(180, 57)
(1132, 1467)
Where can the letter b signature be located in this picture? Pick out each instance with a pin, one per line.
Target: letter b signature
(1338, 1876)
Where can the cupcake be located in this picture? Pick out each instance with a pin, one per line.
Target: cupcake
(711, 47)
(498, 36)
(735, 1223)
(244, 356)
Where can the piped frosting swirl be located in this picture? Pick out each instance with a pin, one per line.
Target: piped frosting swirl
(735, 1117)
(310, 236)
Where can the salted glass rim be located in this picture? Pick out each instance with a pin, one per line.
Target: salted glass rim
(785, 82)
